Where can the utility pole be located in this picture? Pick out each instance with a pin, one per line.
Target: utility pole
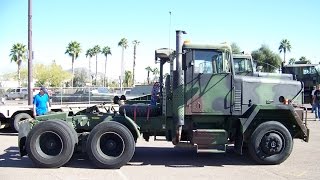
(30, 53)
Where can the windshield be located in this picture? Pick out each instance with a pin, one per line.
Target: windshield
(309, 70)
(242, 65)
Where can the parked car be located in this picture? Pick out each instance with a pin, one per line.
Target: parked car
(21, 93)
(102, 91)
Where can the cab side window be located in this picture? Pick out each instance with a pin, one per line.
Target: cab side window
(210, 62)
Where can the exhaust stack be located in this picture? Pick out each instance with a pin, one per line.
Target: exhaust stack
(178, 90)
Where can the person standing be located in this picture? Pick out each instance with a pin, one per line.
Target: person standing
(41, 103)
(312, 94)
(316, 102)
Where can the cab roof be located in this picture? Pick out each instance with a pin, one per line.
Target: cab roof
(222, 47)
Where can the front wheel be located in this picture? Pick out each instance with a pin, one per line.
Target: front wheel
(270, 143)
(110, 145)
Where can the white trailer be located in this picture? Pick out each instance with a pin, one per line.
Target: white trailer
(11, 115)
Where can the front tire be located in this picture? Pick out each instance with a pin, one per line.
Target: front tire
(48, 144)
(270, 143)
(110, 145)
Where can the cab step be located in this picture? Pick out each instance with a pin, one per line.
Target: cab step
(210, 140)
(219, 148)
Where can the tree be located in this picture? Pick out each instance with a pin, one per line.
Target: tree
(149, 69)
(113, 84)
(80, 77)
(123, 43)
(128, 78)
(303, 60)
(235, 48)
(17, 54)
(135, 44)
(96, 51)
(292, 61)
(51, 75)
(73, 50)
(155, 72)
(264, 57)
(90, 54)
(105, 51)
(284, 47)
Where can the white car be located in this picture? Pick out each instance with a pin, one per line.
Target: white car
(21, 93)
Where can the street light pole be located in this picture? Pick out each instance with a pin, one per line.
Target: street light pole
(30, 53)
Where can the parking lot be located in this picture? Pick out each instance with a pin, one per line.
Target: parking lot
(160, 160)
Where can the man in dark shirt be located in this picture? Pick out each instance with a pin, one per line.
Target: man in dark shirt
(316, 102)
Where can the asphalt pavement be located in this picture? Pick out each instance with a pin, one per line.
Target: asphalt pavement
(160, 160)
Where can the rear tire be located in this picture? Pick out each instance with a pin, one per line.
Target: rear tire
(48, 144)
(17, 118)
(270, 143)
(69, 126)
(110, 145)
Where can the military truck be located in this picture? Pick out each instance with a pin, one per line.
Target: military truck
(307, 73)
(244, 65)
(202, 104)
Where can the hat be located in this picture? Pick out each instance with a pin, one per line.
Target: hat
(42, 88)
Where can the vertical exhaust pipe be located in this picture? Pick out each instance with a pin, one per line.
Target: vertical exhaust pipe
(178, 90)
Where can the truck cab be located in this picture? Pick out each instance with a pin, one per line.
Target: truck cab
(306, 73)
(215, 98)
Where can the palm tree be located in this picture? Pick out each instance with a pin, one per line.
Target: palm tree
(73, 50)
(292, 61)
(135, 43)
(105, 51)
(123, 44)
(302, 58)
(284, 47)
(149, 69)
(96, 51)
(17, 54)
(90, 54)
(127, 78)
(155, 72)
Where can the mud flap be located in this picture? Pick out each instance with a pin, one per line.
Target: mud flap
(24, 129)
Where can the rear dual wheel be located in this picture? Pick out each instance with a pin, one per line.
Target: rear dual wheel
(50, 144)
(110, 145)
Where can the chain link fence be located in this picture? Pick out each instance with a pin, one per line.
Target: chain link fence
(73, 95)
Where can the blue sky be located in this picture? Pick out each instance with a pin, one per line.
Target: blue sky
(99, 22)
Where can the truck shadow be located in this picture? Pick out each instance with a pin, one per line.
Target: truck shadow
(8, 132)
(184, 158)
(154, 156)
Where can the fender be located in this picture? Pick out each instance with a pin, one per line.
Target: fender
(130, 124)
(24, 129)
(303, 130)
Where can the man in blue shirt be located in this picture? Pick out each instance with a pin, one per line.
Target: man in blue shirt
(41, 102)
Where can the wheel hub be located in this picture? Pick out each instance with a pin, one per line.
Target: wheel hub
(111, 144)
(272, 143)
(50, 143)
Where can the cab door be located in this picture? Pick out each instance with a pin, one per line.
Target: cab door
(209, 82)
